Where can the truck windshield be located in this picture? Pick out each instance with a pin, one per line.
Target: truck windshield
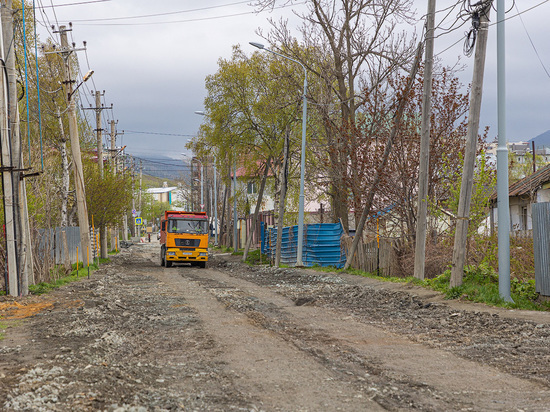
(187, 226)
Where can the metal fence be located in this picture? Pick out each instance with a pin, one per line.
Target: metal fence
(541, 244)
(321, 244)
(50, 241)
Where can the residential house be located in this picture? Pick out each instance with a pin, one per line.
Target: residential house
(522, 194)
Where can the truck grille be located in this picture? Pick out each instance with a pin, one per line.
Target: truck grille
(187, 242)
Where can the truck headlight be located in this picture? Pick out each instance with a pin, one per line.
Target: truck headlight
(203, 254)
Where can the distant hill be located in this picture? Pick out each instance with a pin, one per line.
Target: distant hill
(163, 167)
(542, 140)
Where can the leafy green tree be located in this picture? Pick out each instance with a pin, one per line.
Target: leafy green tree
(108, 198)
(251, 104)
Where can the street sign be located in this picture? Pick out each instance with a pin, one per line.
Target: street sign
(202, 208)
(134, 213)
(139, 221)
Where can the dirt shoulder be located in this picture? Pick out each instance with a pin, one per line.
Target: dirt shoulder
(137, 336)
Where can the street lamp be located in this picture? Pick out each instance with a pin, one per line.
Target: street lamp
(302, 160)
(84, 80)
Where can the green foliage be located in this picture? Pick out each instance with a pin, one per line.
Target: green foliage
(107, 197)
(483, 187)
(518, 170)
(255, 257)
(480, 284)
(45, 287)
(151, 210)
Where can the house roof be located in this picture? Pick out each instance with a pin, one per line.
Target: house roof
(528, 184)
(157, 190)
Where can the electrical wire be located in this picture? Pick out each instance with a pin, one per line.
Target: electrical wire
(38, 87)
(170, 13)
(476, 12)
(531, 41)
(76, 4)
(83, 23)
(160, 133)
(26, 81)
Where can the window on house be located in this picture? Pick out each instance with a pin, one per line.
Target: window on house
(251, 188)
(523, 218)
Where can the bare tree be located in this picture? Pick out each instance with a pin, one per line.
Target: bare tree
(347, 45)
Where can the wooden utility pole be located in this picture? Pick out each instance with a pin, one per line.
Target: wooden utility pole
(424, 167)
(463, 215)
(7, 169)
(82, 209)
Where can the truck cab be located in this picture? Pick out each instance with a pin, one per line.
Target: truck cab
(184, 238)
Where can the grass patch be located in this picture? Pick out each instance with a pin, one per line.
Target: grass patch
(45, 287)
(480, 284)
(3, 327)
(255, 257)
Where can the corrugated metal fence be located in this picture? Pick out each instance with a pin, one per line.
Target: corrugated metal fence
(321, 244)
(541, 244)
(51, 240)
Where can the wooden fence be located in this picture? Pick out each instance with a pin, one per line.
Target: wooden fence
(372, 258)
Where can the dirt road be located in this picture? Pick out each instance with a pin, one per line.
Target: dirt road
(140, 337)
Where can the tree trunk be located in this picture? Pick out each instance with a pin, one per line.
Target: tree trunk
(371, 191)
(257, 209)
(282, 201)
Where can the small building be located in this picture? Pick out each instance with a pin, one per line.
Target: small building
(165, 194)
(534, 188)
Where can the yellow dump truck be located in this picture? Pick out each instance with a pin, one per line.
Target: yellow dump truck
(184, 238)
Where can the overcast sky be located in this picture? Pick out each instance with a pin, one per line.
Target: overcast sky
(153, 68)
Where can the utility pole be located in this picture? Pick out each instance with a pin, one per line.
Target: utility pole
(192, 187)
(99, 131)
(463, 215)
(20, 209)
(424, 167)
(139, 194)
(235, 219)
(113, 146)
(7, 168)
(82, 209)
(503, 200)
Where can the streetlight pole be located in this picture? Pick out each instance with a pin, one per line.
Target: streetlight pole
(299, 250)
(201, 113)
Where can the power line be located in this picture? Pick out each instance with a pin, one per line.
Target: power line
(170, 13)
(184, 21)
(159, 133)
(75, 4)
(531, 41)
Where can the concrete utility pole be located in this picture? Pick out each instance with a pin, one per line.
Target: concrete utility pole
(424, 167)
(98, 109)
(235, 219)
(113, 146)
(503, 200)
(140, 188)
(99, 130)
(7, 169)
(82, 209)
(463, 215)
